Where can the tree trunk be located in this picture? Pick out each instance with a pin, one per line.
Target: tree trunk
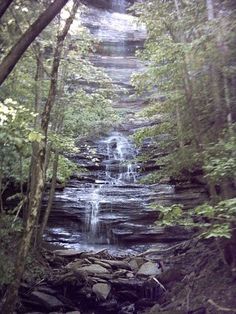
(4, 4)
(38, 85)
(12, 291)
(37, 184)
(1, 186)
(210, 9)
(28, 37)
(188, 88)
(228, 103)
(215, 76)
(51, 196)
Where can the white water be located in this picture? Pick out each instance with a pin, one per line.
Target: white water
(120, 169)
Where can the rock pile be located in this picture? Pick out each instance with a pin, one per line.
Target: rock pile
(96, 282)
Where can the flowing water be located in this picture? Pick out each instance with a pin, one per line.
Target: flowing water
(104, 205)
(107, 206)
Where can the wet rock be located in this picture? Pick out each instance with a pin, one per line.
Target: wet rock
(67, 253)
(47, 301)
(127, 284)
(103, 264)
(130, 275)
(108, 307)
(74, 312)
(127, 295)
(149, 269)
(47, 290)
(134, 264)
(120, 273)
(101, 290)
(117, 264)
(104, 276)
(95, 269)
(90, 269)
(201, 310)
(127, 309)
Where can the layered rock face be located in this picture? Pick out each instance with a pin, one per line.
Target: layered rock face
(107, 205)
(119, 37)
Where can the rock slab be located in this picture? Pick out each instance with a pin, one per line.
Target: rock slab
(49, 302)
(149, 269)
(102, 290)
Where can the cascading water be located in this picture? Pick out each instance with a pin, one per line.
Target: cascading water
(120, 169)
(120, 155)
(107, 205)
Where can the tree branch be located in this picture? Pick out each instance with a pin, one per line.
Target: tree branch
(28, 37)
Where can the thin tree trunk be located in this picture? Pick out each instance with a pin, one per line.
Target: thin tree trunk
(51, 197)
(38, 85)
(38, 99)
(210, 9)
(1, 185)
(4, 4)
(12, 291)
(179, 126)
(215, 77)
(28, 37)
(187, 83)
(228, 103)
(39, 172)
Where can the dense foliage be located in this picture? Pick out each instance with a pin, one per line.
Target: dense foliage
(190, 80)
(23, 94)
(190, 74)
(46, 106)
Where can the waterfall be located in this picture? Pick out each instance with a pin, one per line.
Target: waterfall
(120, 169)
(120, 152)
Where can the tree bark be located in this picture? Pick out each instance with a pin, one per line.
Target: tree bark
(38, 86)
(51, 196)
(4, 4)
(39, 174)
(215, 77)
(28, 37)
(187, 84)
(210, 9)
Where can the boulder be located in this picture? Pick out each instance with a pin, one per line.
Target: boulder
(102, 290)
(108, 306)
(117, 264)
(149, 269)
(67, 253)
(47, 301)
(134, 264)
(94, 269)
(46, 290)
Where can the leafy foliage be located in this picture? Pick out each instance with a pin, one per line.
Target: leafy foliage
(213, 221)
(220, 159)
(10, 228)
(189, 78)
